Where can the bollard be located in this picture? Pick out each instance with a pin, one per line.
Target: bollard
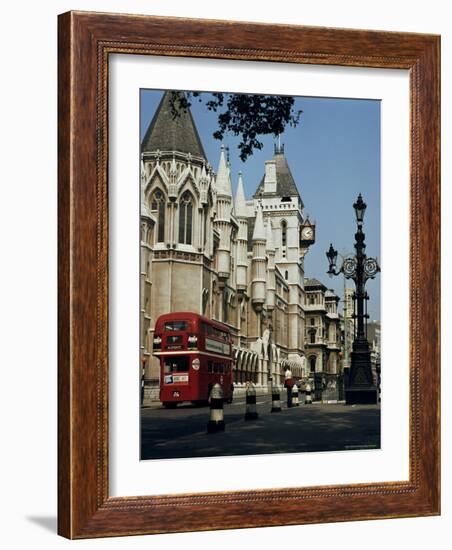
(308, 399)
(295, 400)
(216, 422)
(276, 400)
(251, 411)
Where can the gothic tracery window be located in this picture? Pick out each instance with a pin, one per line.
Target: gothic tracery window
(158, 207)
(186, 218)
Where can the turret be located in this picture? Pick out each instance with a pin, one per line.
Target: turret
(223, 218)
(242, 236)
(271, 278)
(258, 282)
(224, 187)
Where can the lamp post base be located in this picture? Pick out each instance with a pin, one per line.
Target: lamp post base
(361, 389)
(361, 396)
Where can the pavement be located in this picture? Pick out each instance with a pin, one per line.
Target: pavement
(182, 432)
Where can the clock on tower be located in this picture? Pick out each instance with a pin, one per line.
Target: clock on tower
(307, 233)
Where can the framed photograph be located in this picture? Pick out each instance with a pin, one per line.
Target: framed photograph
(249, 299)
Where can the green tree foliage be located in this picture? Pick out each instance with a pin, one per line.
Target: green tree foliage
(247, 115)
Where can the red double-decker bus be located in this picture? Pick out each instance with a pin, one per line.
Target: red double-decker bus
(195, 353)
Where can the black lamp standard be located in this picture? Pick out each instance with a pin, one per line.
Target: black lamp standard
(361, 387)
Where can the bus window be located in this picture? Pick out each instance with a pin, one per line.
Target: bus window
(209, 330)
(175, 325)
(175, 364)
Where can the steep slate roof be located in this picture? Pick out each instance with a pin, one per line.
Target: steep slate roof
(285, 184)
(314, 283)
(167, 133)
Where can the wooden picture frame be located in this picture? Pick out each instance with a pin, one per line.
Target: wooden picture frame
(85, 508)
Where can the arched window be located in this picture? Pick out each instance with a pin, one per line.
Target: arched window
(312, 361)
(158, 207)
(186, 218)
(286, 274)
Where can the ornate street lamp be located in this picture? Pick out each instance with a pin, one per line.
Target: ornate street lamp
(332, 258)
(360, 208)
(360, 387)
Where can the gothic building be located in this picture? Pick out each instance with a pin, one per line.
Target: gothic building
(236, 260)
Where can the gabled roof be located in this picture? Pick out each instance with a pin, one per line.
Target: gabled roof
(169, 133)
(285, 184)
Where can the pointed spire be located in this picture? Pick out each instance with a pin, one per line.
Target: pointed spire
(270, 242)
(279, 147)
(277, 179)
(259, 229)
(223, 182)
(172, 133)
(240, 201)
(229, 178)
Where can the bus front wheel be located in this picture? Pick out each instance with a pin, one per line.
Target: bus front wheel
(169, 404)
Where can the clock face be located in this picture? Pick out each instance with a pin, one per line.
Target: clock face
(307, 233)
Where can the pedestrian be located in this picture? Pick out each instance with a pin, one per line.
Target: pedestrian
(288, 384)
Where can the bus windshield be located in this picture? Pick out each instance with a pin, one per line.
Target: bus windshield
(175, 325)
(175, 364)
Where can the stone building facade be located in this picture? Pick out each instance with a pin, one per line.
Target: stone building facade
(236, 260)
(323, 332)
(348, 325)
(373, 331)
